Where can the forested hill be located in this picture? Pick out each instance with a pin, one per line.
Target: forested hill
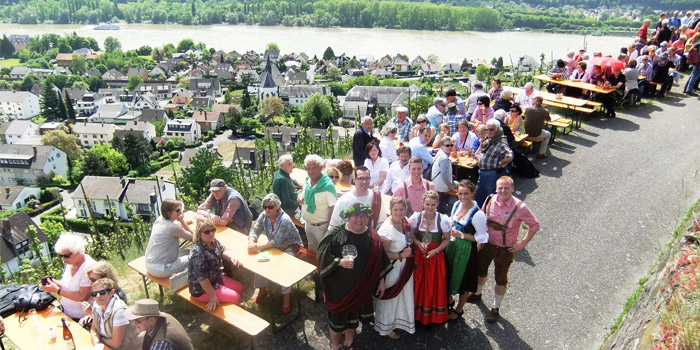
(588, 4)
(316, 13)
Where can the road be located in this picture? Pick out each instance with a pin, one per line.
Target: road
(608, 197)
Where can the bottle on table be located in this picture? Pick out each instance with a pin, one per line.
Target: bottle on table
(67, 336)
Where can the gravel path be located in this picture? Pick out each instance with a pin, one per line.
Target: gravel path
(607, 198)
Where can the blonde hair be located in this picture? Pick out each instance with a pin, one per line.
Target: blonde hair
(108, 283)
(104, 269)
(202, 225)
(431, 194)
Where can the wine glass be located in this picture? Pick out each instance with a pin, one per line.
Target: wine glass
(349, 252)
(426, 239)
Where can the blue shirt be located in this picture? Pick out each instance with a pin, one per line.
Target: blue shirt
(418, 149)
(434, 116)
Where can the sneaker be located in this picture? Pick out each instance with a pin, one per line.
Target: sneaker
(474, 298)
(493, 316)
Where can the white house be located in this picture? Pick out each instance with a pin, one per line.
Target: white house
(16, 130)
(16, 197)
(107, 193)
(297, 95)
(90, 134)
(186, 129)
(22, 164)
(18, 105)
(162, 90)
(19, 72)
(89, 103)
(108, 113)
(146, 101)
(143, 128)
(16, 243)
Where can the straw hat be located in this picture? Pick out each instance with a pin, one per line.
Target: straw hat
(143, 308)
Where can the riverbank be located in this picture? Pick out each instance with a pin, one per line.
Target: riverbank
(451, 47)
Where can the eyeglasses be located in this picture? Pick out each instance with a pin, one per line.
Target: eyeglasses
(65, 256)
(268, 207)
(491, 129)
(137, 321)
(514, 110)
(363, 178)
(334, 176)
(101, 292)
(450, 145)
(208, 232)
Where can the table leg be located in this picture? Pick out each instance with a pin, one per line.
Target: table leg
(161, 292)
(145, 287)
(2, 345)
(276, 329)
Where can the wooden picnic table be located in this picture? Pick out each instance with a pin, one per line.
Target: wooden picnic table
(24, 335)
(282, 269)
(575, 84)
(548, 96)
(464, 161)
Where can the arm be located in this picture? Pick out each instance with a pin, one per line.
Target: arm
(507, 156)
(382, 177)
(183, 231)
(254, 234)
(228, 213)
(445, 242)
(213, 299)
(117, 337)
(83, 293)
(479, 223)
(533, 225)
(94, 335)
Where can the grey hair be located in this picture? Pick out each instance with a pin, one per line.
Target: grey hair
(313, 158)
(70, 242)
(283, 159)
(529, 85)
(570, 53)
(365, 118)
(494, 123)
(389, 128)
(499, 114)
(439, 101)
(506, 94)
(272, 198)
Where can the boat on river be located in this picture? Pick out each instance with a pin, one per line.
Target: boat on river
(106, 26)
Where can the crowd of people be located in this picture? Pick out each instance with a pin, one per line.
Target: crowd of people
(420, 262)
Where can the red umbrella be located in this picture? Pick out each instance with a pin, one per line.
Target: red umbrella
(613, 63)
(597, 61)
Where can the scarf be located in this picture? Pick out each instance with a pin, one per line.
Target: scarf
(490, 142)
(324, 184)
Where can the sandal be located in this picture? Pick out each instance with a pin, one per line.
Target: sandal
(394, 335)
(454, 312)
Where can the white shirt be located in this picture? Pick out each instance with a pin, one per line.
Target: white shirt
(478, 221)
(386, 145)
(445, 222)
(395, 176)
(118, 320)
(376, 168)
(467, 144)
(525, 100)
(73, 283)
(349, 199)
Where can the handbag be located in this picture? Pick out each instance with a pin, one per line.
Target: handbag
(178, 280)
(31, 297)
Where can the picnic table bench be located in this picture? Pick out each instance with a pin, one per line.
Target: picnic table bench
(232, 314)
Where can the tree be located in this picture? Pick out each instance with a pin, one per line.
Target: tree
(333, 72)
(103, 160)
(175, 143)
(272, 46)
(204, 167)
(135, 148)
(70, 110)
(251, 125)
(134, 83)
(271, 107)
(29, 81)
(78, 65)
(144, 50)
(184, 45)
(499, 64)
(160, 126)
(433, 58)
(49, 105)
(246, 102)
(194, 9)
(328, 54)
(316, 112)
(65, 142)
(184, 83)
(482, 72)
(6, 47)
(112, 44)
(465, 65)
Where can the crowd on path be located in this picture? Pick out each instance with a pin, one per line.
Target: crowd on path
(410, 261)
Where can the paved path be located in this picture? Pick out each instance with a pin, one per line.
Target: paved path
(608, 196)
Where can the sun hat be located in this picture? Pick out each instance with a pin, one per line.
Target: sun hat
(143, 308)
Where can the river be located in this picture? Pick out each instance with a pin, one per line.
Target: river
(450, 47)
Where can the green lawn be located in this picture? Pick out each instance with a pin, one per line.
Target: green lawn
(9, 63)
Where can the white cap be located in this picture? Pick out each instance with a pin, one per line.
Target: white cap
(401, 109)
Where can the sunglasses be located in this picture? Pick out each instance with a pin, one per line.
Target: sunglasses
(479, 103)
(334, 177)
(208, 232)
(513, 110)
(268, 207)
(101, 292)
(65, 256)
(450, 145)
(422, 122)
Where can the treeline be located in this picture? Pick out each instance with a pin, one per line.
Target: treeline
(316, 13)
(588, 4)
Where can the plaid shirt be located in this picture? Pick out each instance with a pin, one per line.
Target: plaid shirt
(452, 120)
(494, 154)
(496, 93)
(404, 128)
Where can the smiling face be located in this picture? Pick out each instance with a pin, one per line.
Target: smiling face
(398, 211)
(404, 157)
(429, 206)
(374, 153)
(362, 180)
(208, 234)
(504, 189)
(358, 223)
(314, 171)
(416, 170)
(425, 136)
(462, 129)
(464, 194)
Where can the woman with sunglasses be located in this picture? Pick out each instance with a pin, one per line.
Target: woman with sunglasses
(98, 270)
(281, 234)
(442, 172)
(333, 174)
(206, 282)
(163, 255)
(514, 119)
(74, 286)
(110, 326)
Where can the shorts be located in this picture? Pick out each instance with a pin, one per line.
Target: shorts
(502, 259)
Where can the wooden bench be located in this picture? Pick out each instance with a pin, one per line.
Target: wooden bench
(232, 314)
(562, 123)
(577, 119)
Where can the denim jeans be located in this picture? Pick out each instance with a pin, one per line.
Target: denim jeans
(693, 79)
(486, 184)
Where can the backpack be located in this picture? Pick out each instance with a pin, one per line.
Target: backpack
(693, 58)
(523, 167)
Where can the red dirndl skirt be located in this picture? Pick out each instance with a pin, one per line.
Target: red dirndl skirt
(430, 287)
